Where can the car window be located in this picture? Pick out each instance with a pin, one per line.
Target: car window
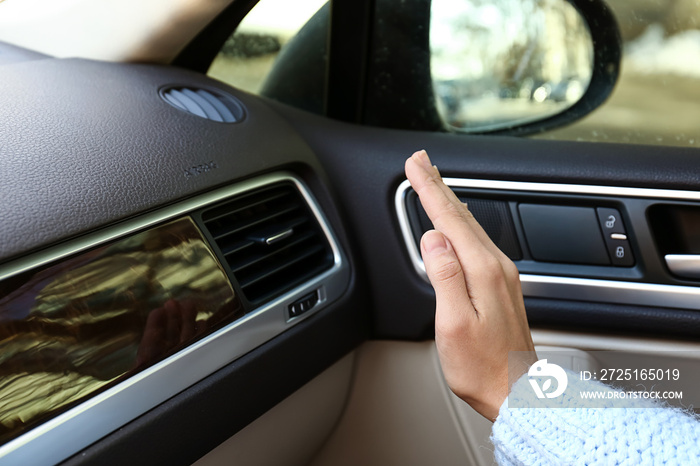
(657, 98)
(248, 55)
(655, 101)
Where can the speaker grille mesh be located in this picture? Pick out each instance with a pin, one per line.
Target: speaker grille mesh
(494, 217)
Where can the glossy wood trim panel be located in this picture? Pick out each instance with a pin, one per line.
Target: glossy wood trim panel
(72, 329)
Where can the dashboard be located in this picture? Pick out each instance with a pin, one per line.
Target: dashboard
(176, 245)
(128, 323)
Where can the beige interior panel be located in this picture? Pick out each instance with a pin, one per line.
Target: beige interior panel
(621, 352)
(477, 430)
(595, 342)
(388, 404)
(293, 431)
(399, 412)
(582, 347)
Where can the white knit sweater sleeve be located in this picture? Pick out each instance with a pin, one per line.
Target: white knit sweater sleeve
(642, 433)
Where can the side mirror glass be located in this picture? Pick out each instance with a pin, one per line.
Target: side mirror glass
(499, 63)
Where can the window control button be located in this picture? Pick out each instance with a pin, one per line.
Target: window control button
(610, 221)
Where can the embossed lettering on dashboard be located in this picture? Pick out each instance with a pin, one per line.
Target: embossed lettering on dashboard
(197, 170)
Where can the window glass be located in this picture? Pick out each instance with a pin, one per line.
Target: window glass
(248, 55)
(657, 98)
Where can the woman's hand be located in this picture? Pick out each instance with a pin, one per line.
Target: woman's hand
(480, 314)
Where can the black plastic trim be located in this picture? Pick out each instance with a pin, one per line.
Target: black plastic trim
(350, 32)
(399, 83)
(299, 75)
(612, 318)
(201, 51)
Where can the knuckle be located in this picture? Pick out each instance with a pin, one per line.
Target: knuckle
(491, 274)
(420, 190)
(492, 268)
(468, 215)
(446, 271)
(448, 329)
(448, 212)
(511, 271)
(427, 182)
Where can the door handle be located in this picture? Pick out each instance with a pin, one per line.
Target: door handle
(684, 265)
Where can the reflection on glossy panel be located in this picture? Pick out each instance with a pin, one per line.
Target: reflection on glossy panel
(70, 329)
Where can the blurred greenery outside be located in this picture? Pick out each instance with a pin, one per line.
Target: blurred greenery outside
(656, 100)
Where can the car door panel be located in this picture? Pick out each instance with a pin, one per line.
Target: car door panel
(400, 411)
(366, 164)
(292, 432)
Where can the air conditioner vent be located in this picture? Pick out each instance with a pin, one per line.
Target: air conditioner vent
(212, 105)
(270, 240)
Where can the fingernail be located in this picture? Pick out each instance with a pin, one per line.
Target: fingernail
(437, 171)
(422, 158)
(433, 241)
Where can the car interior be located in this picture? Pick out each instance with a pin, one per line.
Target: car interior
(197, 270)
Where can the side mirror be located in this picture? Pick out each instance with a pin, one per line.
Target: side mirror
(411, 85)
(512, 67)
(503, 64)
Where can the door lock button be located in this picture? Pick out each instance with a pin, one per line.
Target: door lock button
(615, 237)
(620, 252)
(610, 221)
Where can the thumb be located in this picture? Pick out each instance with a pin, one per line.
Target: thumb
(444, 270)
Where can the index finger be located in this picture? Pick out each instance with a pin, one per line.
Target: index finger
(422, 159)
(445, 214)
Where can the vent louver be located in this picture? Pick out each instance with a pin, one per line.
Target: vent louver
(270, 240)
(215, 106)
